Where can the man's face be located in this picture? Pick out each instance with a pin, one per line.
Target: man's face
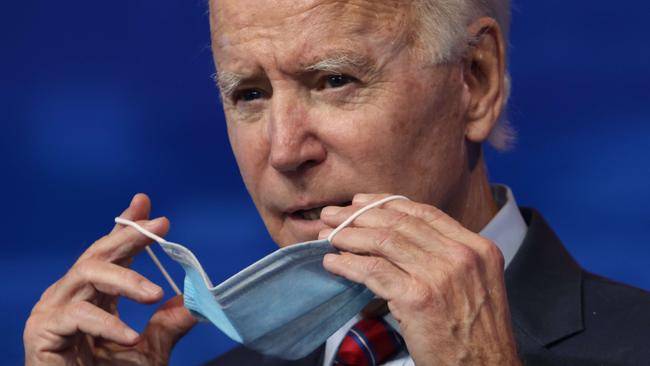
(326, 99)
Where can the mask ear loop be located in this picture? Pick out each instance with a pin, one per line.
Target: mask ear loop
(360, 212)
(153, 256)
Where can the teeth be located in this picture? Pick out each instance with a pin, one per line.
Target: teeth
(313, 214)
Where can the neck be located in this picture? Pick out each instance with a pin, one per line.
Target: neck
(474, 205)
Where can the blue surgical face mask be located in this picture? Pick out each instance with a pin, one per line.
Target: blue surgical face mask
(284, 305)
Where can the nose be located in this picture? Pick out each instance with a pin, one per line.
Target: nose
(294, 140)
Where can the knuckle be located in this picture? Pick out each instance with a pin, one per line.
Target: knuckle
(420, 295)
(422, 211)
(466, 259)
(374, 265)
(108, 321)
(31, 324)
(35, 324)
(433, 214)
(78, 310)
(50, 291)
(132, 278)
(83, 270)
(490, 254)
(39, 307)
(485, 244)
(402, 220)
(102, 238)
(92, 250)
(493, 255)
(385, 240)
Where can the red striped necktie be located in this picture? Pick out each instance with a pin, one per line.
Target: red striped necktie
(370, 342)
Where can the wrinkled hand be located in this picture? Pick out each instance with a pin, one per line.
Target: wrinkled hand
(76, 321)
(443, 283)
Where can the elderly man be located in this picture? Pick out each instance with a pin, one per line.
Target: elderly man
(331, 105)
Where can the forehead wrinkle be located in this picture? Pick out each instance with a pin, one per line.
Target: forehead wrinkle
(356, 16)
(347, 24)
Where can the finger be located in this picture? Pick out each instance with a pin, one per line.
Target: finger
(342, 213)
(89, 277)
(433, 216)
(88, 319)
(138, 209)
(168, 324)
(448, 228)
(377, 217)
(403, 215)
(409, 227)
(389, 244)
(380, 276)
(364, 199)
(125, 243)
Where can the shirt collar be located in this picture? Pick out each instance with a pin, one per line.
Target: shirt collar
(507, 229)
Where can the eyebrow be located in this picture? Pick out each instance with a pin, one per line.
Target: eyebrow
(339, 62)
(228, 81)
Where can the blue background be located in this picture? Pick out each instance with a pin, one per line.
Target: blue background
(100, 100)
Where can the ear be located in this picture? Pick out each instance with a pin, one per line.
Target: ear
(483, 73)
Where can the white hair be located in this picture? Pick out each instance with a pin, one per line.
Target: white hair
(442, 35)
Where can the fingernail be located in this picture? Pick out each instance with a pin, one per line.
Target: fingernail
(329, 258)
(133, 200)
(153, 223)
(362, 198)
(324, 233)
(150, 288)
(131, 334)
(330, 211)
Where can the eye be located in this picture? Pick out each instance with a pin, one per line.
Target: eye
(248, 95)
(337, 81)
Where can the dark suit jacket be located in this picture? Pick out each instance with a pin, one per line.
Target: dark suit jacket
(561, 314)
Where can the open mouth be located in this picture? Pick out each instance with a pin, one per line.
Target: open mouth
(313, 214)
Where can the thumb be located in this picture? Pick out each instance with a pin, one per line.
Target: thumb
(167, 325)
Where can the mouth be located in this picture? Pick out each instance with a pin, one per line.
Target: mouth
(313, 213)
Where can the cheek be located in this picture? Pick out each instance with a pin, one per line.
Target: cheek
(250, 156)
(466, 96)
(374, 145)
(412, 140)
(252, 161)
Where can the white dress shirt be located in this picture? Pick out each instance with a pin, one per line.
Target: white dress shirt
(507, 230)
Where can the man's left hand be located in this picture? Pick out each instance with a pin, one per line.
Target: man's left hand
(443, 283)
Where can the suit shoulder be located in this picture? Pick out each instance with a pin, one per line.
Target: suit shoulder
(616, 324)
(616, 310)
(609, 295)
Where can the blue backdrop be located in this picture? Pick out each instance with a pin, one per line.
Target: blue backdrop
(100, 100)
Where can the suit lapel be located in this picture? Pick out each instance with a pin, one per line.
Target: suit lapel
(544, 285)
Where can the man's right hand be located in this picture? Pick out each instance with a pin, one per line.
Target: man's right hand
(76, 321)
